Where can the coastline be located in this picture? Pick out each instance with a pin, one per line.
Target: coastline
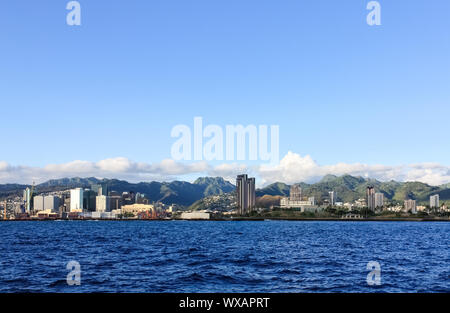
(240, 219)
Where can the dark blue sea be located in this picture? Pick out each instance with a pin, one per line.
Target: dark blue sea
(214, 256)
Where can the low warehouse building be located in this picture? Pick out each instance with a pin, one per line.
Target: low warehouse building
(195, 216)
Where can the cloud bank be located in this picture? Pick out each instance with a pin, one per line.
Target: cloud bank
(295, 168)
(292, 168)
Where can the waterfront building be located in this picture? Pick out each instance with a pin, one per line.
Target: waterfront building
(38, 203)
(410, 205)
(198, 215)
(102, 204)
(352, 216)
(115, 202)
(379, 200)
(51, 203)
(76, 200)
(99, 215)
(370, 196)
(434, 201)
(246, 197)
(137, 208)
(286, 203)
(89, 200)
(294, 201)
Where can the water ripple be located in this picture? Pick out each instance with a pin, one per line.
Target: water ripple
(270, 256)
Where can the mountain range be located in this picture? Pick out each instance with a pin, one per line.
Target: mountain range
(348, 189)
(178, 192)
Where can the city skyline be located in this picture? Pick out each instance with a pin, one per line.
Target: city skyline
(98, 201)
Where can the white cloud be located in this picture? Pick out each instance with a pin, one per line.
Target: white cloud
(291, 169)
(295, 168)
(120, 168)
(229, 171)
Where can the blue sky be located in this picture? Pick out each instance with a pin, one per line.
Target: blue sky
(340, 90)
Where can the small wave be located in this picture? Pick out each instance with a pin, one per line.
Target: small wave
(193, 277)
(57, 283)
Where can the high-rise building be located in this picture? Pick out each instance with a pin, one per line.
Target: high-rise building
(434, 201)
(370, 195)
(66, 205)
(115, 202)
(332, 195)
(103, 204)
(295, 193)
(89, 200)
(27, 197)
(379, 200)
(245, 194)
(100, 189)
(128, 198)
(141, 199)
(410, 205)
(51, 203)
(76, 200)
(38, 203)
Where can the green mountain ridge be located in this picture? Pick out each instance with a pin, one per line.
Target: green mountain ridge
(178, 192)
(350, 188)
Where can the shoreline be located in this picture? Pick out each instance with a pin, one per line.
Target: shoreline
(240, 219)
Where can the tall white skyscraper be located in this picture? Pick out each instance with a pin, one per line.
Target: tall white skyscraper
(76, 200)
(102, 204)
(51, 203)
(434, 201)
(38, 203)
(379, 200)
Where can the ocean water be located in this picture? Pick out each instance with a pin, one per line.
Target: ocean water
(214, 256)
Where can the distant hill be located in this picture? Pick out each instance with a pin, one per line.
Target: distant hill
(445, 186)
(275, 189)
(220, 202)
(67, 183)
(214, 185)
(350, 188)
(11, 189)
